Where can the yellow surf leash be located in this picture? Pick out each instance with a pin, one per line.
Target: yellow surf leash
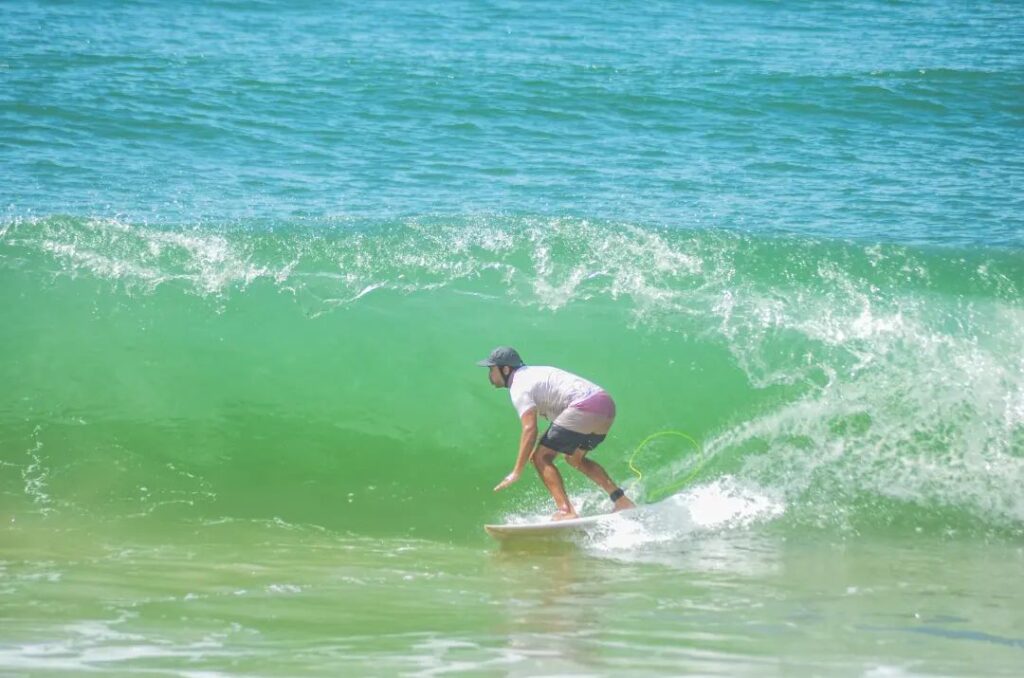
(674, 486)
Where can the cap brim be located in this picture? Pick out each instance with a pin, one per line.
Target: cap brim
(485, 363)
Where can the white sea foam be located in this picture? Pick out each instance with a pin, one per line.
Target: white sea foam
(721, 505)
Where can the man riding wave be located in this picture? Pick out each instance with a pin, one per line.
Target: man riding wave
(581, 414)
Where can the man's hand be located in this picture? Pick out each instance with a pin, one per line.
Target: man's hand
(509, 479)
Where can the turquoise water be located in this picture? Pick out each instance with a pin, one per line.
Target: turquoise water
(250, 253)
(894, 120)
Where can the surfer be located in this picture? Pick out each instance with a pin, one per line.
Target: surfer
(580, 412)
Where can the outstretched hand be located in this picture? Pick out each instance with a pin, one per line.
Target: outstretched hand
(509, 479)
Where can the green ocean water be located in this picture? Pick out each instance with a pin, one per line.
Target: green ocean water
(250, 253)
(238, 451)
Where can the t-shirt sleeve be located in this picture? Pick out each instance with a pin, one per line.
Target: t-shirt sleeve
(523, 401)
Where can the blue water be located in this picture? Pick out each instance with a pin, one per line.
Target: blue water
(900, 121)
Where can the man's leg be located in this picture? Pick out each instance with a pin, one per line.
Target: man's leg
(543, 460)
(596, 472)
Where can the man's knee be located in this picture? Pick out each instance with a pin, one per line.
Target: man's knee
(543, 457)
(576, 459)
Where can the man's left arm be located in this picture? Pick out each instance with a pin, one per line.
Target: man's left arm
(527, 441)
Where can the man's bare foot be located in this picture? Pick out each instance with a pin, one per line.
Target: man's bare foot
(622, 504)
(561, 514)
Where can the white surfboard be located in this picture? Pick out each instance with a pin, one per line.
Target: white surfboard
(552, 528)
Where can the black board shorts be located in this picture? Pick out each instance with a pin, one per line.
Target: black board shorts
(565, 441)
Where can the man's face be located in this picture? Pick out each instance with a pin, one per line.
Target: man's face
(497, 380)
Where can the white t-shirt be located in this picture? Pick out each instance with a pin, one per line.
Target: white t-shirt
(549, 389)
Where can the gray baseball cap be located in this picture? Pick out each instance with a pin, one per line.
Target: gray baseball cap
(503, 356)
